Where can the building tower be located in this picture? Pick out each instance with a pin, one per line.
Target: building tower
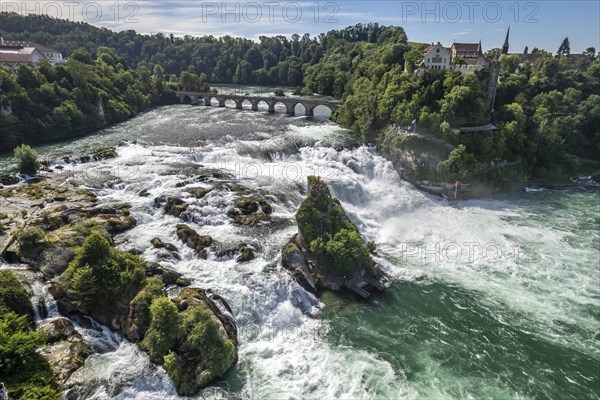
(505, 45)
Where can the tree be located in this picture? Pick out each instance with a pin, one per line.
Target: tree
(526, 50)
(103, 280)
(564, 49)
(460, 163)
(25, 372)
(18, 345)
(509, 63)
(345, 252)
(164, 329)
(459, 61)
(202, 331)
(412, 59)
(590, 52)
(84, 286)
(27, 160)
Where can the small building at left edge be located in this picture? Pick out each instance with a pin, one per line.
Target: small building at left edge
(13, 54)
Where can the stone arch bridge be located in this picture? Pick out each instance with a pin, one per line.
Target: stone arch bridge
(290, 103)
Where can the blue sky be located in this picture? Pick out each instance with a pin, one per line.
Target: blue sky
(542, 24)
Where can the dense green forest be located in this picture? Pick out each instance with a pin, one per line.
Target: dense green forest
(545, 112)
(273, 60)
(61, 102)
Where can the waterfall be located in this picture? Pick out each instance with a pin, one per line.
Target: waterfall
(445, 328)
(44, 305)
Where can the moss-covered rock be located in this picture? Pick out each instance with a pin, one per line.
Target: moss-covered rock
(159, 244)
(193, 240)
(194, 340)
(208, 345)
(57, 329)
(103, 153)
(172, 205)
(116, 216)
(66, 355)
(120, 224)
(250, 210)
(139, 309)
(246, 254)
(198, 192)
(294, 261)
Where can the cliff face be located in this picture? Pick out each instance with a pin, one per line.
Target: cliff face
(328, 249)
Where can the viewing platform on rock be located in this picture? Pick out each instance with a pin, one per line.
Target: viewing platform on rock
(364, 284)
(290, 102)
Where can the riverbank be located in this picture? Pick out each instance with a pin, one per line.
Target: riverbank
(417, 158)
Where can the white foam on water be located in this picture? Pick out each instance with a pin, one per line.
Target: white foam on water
(284, 353)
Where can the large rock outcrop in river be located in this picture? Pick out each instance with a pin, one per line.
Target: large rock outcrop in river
(328, 252)
(194, 338)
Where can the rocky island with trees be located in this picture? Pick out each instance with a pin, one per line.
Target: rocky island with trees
(328, 252)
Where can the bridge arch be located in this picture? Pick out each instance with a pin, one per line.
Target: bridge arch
(209, 99)
(278, 103)
(262, 102)
(324, 110)
(301, 110)
(185, 99)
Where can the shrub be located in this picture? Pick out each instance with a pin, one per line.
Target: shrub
(13, 296)
(26, 373)
(139, 308)
(279, 92)
(164, 329)
(174, 369)
(30, 241)
(204, 354)
(27, 161)
(102, 279)
(202, 331)
(345, 253)
(34, 392)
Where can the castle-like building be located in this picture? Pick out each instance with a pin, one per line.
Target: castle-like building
(463, 57)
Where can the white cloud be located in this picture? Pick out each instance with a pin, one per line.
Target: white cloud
(462, 33)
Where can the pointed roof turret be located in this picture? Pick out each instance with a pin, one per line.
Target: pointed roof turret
(505, 45)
